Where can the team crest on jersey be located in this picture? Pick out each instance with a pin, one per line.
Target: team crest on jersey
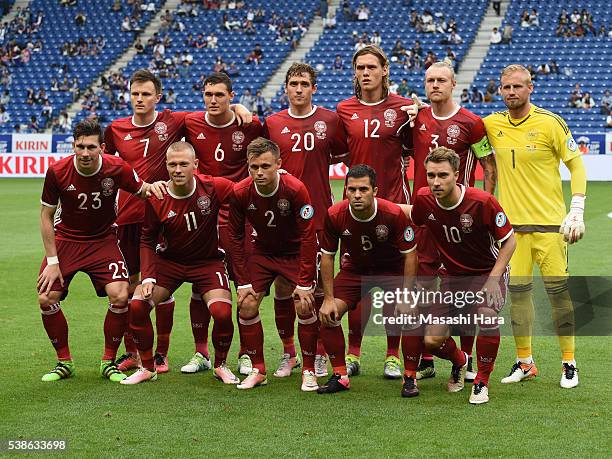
(107, 186)
(237, 138)
(321, 128)
(203, 203)
(307, 212)
(532, 134)
(161, 130)
(390, 117)
(500, 219)
(453, 131)
(284, 206)
(382, 233)
(466, 222)
(409, 234)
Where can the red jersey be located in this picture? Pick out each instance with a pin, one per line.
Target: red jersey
(467, 234)
(378, 135)
(463, 131)
(144, 148)
(86, 203)
(184, 226)
(221, 150)
(282, 221)
(372, 246)
(308, 144)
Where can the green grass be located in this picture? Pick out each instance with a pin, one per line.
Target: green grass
(192, 415)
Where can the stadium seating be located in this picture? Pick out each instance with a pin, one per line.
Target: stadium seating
(586, 60)
(58, 27)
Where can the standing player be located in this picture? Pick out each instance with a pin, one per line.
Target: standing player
(220, 144)
(142, 141)
(76, 221)
(180, 244)
(309, 138)
(279, 209)
(378, 136)
(475, 242)
(378, 241)
(444, 123)
(529, 143)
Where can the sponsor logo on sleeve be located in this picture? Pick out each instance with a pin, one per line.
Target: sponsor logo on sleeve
(409, 234)
(500, 219)
(307, 212)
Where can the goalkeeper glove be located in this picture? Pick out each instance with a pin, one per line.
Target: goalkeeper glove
(572, 227)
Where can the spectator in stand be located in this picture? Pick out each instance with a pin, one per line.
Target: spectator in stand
(5, 98)
(200, 41)
(212, 40)
(507, 34)
(605, 105)
(496, 37)
(393, 87)
(330, 21)
(490, 91)
(417, 49)
(260, 104)
(398, 50)
(338, 64)
(255, 56)
(534, 21)
(476, 97)
(609, 119)
(46, 113)
(465, 96)
(376, 39)
(80, 19)
(403, 89)
(116, 7)
(323, 8)
(247, 100)
(575, 99)
(543, 69)
(249, 28)
(525, 19)
(170, 98)
(497, 7)
(65, 123)
(126, 24)
(429, 59)
(34, 127)
(5, 118)
(587, 101)
(554, 68)
(363, 13)
(283, 101)
(359, 45)
(233, 70)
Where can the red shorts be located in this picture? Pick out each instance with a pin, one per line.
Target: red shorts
(206, 276)
(224, 242)
(429, 257)
(129, 242)
(351, 287)
(101, 260)
(263, 269)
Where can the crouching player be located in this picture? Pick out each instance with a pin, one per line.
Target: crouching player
(77, 227)
(378, 241)
(185, 226)
(278, 207)
(475, 241)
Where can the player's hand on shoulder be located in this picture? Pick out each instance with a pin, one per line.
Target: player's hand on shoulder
(158, 189)
(243, 115)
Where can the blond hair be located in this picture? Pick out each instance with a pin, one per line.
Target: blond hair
(382, 59)
(445, 64)
(442, 154)
(513, 68)
(182, 146)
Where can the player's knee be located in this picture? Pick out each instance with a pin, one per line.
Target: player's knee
(249, 308)
(220, 310)
(433, 343)
(119, 298)
(45, 300)
(555, 285)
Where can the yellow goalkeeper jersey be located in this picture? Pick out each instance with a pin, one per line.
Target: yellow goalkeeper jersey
(527, 152)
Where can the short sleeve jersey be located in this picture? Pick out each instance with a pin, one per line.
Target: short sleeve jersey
(221, 150)
(378, 135)
(463, 131)
(283, 223)
(86, 203)
(184, 228)
(528, 152)
(372, 246)
(307, 144)
(144, 148)
(466, 235)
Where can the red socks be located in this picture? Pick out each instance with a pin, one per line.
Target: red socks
(56, 327)
(223, 328)
(450, 351)
(164, 318)
(200, 320)
(142, 328)
(333, 339)
(115, 326)
(411, 348)
(284, 315)
(356, 326)
(308, 334)
(486, 352)
(253, 338)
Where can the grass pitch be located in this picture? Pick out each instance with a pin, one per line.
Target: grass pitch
(193, 415)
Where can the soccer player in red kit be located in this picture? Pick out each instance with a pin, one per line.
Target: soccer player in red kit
(180, 244)
(379, 135)
(309, 138)
(278, 207)
(142, 140)
(378, 240)
(77, 227)
(220, 143)
(444, 123)
(475, 241)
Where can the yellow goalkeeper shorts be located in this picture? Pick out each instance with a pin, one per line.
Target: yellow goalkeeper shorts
(548, 250)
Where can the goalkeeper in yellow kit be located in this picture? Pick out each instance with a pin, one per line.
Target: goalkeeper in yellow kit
(529, 143)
